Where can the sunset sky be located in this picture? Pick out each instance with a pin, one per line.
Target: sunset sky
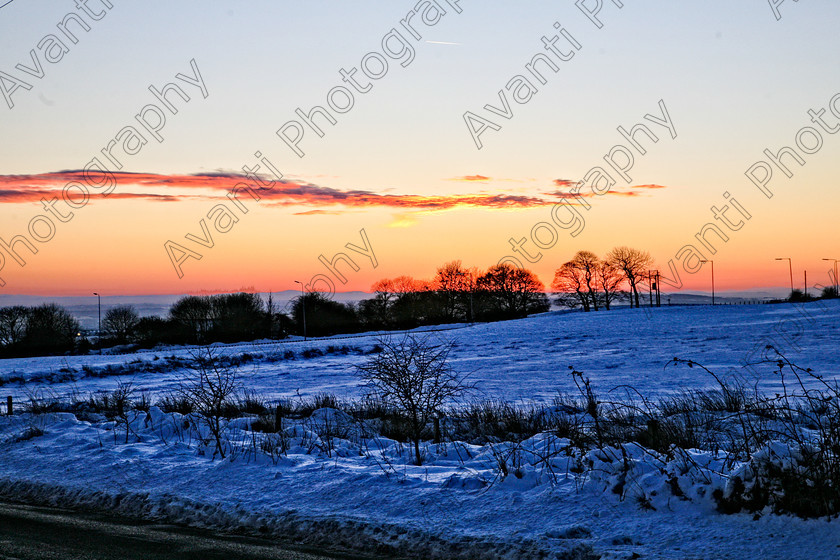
(717, 83)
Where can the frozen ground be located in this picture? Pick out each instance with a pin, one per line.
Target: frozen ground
(360, 488)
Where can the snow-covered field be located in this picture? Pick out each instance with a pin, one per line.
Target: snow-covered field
(524, 360)
(358, 488)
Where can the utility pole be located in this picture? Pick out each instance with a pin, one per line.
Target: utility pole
(658, 292)
(650, 289)
(99, 328)
(303, 306)
(790, 267)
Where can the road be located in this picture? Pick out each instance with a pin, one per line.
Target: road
(33, 533)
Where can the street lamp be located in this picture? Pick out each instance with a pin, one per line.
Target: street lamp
(99, 329)
(836, 284)
(790, 266)
(303, 306)
(713, 279)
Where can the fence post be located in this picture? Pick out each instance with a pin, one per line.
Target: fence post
(278, 418)
(9, 407)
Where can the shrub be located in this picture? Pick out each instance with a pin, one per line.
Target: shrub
(414, 377)
(209, 392)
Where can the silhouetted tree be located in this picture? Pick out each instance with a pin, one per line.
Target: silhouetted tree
(451, 282)
(150, 331)
(570, 286)
(508, 291)
(120, 322)
(609, 281)
(588, 282)
(13, 325)
(324, 316)
(193, 318)
(375, 313)
(634, 264)
(50, 329)
(406, 301)
(236, 317)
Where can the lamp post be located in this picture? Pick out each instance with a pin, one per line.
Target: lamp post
(836, 284)
(99, 328)
(790, 267)
(303, 306)
(713, 279)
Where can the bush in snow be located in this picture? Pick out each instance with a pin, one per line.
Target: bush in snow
(210, 391)
(413, 375)
(798, 470)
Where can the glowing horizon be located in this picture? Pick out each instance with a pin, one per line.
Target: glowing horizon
(481, 133)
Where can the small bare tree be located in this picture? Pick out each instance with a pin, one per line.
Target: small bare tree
(122, 401)
(209, 391)
(413, 375)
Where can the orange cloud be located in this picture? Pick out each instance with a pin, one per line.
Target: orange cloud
(470, 178)
(31, 188)
(320, 213)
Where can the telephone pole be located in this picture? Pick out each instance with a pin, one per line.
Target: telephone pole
(302, 306)
(790, 267)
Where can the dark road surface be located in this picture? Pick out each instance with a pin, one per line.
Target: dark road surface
(32, 533)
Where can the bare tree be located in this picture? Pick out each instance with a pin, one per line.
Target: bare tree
(634, 264)
(120, 322)
(515, 292)
(588, 263)
(50, 329)
(194, 316)
(570, 287)
(209, 391)
(609, 280)
(413, 375)
(452, 281)
(13, 324)
(587, 281)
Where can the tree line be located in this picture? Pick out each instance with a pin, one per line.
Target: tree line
(454, 294)
(37, 331)
(592, 283)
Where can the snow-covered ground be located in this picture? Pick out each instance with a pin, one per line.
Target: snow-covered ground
(523, 360)
(358, 488)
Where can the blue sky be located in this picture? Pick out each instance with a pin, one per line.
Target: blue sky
(735, 80)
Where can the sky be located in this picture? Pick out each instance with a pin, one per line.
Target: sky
(470, 130)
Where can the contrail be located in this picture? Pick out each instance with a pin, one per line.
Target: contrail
(442, 43)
